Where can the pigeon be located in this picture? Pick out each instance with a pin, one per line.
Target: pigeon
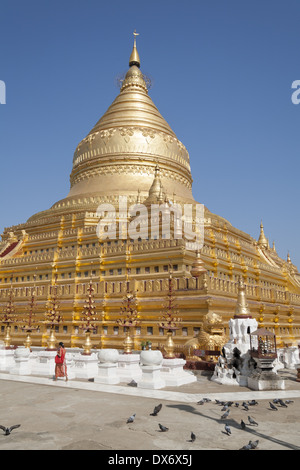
(282, 403)
(245, 406)
(227, 429)
(156, 410)
(273, 407)
(7, 431)
(163, 428)
(193, 437)
(252, 402)
(201, 402)
(237, 404)
(246, 447)
(250, 445)
(225, 408)
(225, 415)
(275, 400)
(220, 402)
(132, 383)
(289, 401)
(207, 399)
(229, 403)
(131, 418)
(251, 421)
(254, 444)
(243, 425)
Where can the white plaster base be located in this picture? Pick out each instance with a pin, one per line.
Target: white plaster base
(151, 378)
(129, 367)
(265, 381)
(289, 357)
(6, 359)
(107, 374)
(22, 366)
(173, 374)
(45, 363)
(85, 366)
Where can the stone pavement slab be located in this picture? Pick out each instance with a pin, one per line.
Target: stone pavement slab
(82, 415)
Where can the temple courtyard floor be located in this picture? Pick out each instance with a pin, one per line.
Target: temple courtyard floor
(83, 415)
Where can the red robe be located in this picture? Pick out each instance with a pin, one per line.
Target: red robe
(61, 368)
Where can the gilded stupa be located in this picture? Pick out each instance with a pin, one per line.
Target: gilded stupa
(132, 152)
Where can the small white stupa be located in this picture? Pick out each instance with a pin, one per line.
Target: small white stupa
(235, 364)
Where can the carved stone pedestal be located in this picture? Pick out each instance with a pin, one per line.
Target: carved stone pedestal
(264, 378)
(45, 363)
(174, 375)
(85, 366)
(129, 368)
(151, 378)
(107, 374)
(22, 364)
(108, 367)
(6, 359)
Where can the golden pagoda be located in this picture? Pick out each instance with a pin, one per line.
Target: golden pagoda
(132, 152)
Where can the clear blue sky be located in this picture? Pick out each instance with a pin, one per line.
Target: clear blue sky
(222, 72)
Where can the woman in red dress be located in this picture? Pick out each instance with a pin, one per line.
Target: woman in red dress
(60, 362)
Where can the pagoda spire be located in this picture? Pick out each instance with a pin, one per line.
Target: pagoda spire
(134, 58)
(263, 241)
(156, 191)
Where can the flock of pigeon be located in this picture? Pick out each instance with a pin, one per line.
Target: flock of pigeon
(277, 402)
(155, 413)
(274, 405)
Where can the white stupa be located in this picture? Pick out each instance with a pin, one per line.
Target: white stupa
(235, 364)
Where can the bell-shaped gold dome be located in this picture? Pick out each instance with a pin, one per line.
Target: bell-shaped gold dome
(121, 152)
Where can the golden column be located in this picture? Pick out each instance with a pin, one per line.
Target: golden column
(30, 322)
(129, 320)
(8, 317)
(169, 320)
(53, 315)
(88, 321)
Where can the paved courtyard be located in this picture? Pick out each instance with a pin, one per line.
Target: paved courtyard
(81, 415)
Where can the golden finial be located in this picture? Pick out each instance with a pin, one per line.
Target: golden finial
(198, 268)
(242, 308)
(134, 58)
(135, 34)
